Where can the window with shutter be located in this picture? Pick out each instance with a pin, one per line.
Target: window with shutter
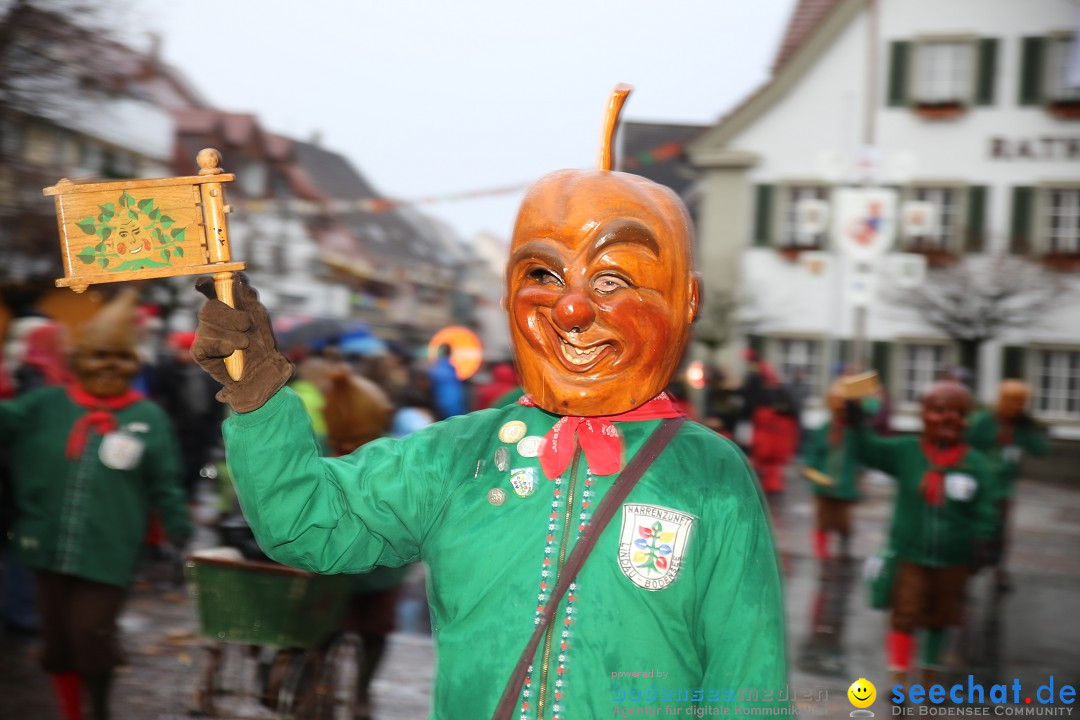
(920, 365)
(941, 77)
(1044, 74)
(804, 214)
(1055, 376)
(943, 73)
(1057, 223)
(799, 363)
(934, 219)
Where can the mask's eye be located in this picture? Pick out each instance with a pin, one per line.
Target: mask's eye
(544, 276)
(607, 284)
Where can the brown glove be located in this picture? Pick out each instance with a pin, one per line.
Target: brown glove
(223, 329)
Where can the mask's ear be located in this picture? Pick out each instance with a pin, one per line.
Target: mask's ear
(693, 298)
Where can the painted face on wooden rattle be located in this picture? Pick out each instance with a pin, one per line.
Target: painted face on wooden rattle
(600, 291)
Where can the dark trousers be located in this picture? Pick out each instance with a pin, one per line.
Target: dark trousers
(927, 597)
(78, 624)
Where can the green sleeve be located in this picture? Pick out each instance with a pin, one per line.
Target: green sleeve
(332, 515)
(881, 453)
(742, 617)
(987, 503)
(1033, 439)
(12, 418)
(167, 494)
(816, 450)
(982, 431)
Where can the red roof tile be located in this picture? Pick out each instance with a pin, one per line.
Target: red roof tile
(805, 19)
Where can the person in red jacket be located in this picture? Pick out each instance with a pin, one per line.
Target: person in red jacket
(776, 433)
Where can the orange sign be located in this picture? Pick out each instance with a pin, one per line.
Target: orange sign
(466, 350)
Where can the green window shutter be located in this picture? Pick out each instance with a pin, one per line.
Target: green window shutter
(1032, 54)
(1012, 362)
(899, 54)
(1023, 201)
(880, 353)
(763, 216)
(987, 71)
(976, 219)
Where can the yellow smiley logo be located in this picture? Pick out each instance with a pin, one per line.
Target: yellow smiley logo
(862, 693)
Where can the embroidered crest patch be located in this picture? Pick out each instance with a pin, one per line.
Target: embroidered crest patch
(523, 481)
(652, 544)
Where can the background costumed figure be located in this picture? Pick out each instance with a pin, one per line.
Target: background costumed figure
(91, 460)
(1005, 434)
(945, 485)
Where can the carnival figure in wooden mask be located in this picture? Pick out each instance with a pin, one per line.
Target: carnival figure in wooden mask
(1007, 434)
(600, 289)
(508, 506)
(944, 515)
(104, 359)
(92, 461)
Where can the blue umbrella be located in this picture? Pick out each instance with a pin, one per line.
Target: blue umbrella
(363, 345)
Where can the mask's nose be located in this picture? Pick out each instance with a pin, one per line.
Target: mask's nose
(574, 312)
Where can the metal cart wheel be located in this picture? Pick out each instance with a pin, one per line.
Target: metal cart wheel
(228, 681)
(337, 688)
(314, 684)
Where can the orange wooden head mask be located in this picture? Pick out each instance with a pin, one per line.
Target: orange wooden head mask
(600, 287)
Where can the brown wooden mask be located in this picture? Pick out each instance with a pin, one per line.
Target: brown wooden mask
(1012, 398)
(600, 288)
(105, 360)
(945, 407)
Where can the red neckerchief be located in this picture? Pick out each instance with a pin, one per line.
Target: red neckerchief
(100, 418)
(1005, 431)
(599, 439)
(933, 480)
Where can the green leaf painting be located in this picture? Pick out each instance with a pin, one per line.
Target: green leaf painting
(131, 234)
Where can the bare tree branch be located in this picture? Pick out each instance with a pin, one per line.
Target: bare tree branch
(977, 300)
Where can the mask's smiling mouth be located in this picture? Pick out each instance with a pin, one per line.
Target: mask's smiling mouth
(580, 356)
(577, 357)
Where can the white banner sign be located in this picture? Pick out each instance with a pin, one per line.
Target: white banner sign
(865, 221)
(906, 270)
(918, 218)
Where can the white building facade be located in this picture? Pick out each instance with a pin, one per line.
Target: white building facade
(964, 110)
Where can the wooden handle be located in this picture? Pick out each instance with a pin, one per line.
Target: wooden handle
(817, 476)
(223, 284)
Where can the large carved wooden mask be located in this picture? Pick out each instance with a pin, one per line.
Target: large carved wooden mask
(600, 288)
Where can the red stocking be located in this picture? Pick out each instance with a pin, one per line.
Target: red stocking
(901, 646)
(821, 544)
(68, 689)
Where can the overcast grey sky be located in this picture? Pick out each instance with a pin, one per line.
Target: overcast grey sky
(436, 98)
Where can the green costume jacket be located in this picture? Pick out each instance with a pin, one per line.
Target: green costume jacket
(683, 583)
(85, 518)
(1027, 438)
(926, 534)
(839, 463)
